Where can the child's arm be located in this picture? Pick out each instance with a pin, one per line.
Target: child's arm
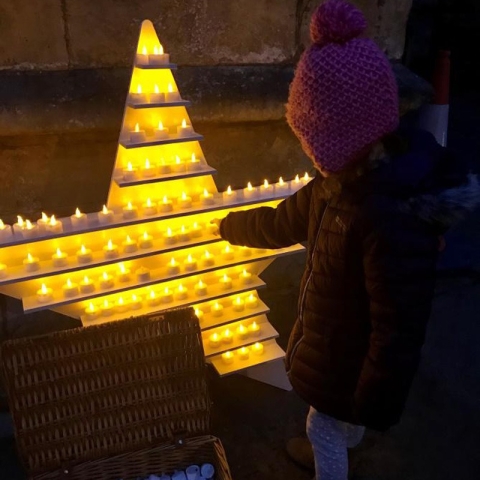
(266, 227)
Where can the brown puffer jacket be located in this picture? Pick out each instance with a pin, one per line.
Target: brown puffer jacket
(369, 280)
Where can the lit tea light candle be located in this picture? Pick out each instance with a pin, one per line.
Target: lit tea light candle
(20, 225)
(306, 178)
(148, 170)
(181, 293)
(129, 211)
(70, 289)
(228, 253)
(138, 96)
(167, 295)
(31, 263)
(172, 95)
(251, 301)
(190, 264)
(238, 304)
(249, 193)
(165, 205)
(145, 241)
(227, 358)
(296, 183)
(159, 57)
(106, 281)
(121, 305)
(157, 96)
(123, 274)
(79, 219)
(243, 353)
(266, 189)
(168, 237)
(41, 222)
(214, 340)
(44, 295)
(208, 260)
(105, 216)
(129, 245)
(110, 250)
(135, 302)
(282, 187)
(217, 310)
(107, 308)
(195, 230)
(229, 195)
(142, 274)
(258, 348)
(183, 235)
(178, 166)
(194, 165)
(161, 133)
(5, 231)
(30, 230)
(173, 267)
(142, 57)
(245, 251)
(3, 270)
(225, 282)
(227, 336)
(242, 332)
(84, 255)
(246, 278)
(184, 130)
(59, 259)
(137, 135)
(254, 329)
(185, 201)
(92, 312)
(86, 285)
(206, 198)
(163, 167)
(130, 173)
(199, 314)
(54, 225)
(201, 289)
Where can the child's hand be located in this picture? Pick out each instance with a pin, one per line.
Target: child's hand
(215, 226)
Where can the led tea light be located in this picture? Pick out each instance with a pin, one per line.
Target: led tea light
(70, 289)
(195, 230)
(79, 219)
(181, 293)
(185, 201)
(228, 253)
(178, 166)
(217, 310)
(161, 133)
(238, 304)
(227, 358)
(142, 57)
(208, 260)
(92, 312)
(172, 95)
(282, 187)
(190, 264)
(31, 263)
(296, 183)
(123, 274)
(137, 135)
(214, 340)
(183, 235)
(86, 285)
(250, 193)
(135, 302)
(157, 96)
(200, 289)
(242, 332)
(148, 170)
(145, 241)
(251, 301)
(44, 294)
(245, 278)
(266, 189)
(199, 314)
(306, 178)
(165, 205)
(41, 223)
(105, 216)
(84, 255)
(206, 198)
(138, 96)
(168, 237)
(194, 165)
(225, 282)
(110, 250)
(121, 305)
(229, 195)
(106, 308)
(227, 336)
(20, 225)
(130, 173)
(258, 349)
(129, 245)
(106, 281)
(130, 211)
(243, 353)
(54, 225)
(245, 251)
(173, 267)
(142, 274)
(167, 295)
(184, 130)
(163, 167)
(59, 259)
(254, 329)
(159, 57)
(153, 299)
(30, 230)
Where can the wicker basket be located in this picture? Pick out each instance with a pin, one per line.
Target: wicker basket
(118, 400)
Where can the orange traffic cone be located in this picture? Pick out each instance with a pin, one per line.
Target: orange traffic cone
(434, 117)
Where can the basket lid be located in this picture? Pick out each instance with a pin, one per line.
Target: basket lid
(88, 393)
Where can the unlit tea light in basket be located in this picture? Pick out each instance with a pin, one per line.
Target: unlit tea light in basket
(193, 472)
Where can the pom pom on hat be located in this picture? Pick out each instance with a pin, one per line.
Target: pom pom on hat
(336, 21)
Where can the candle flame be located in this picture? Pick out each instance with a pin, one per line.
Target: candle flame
(205, 192)
(69, 283)
(145, 235)
(2, 225)
(184, 196)
(83, 249)
(245, 273)
(227, 249)
(195, 225)
(129, 240)
(44, 289)
(86, 279)
(228, 354)
(161, 51)
(251, 297)
(306, 176)
(249, 186)
(29, 257)
(177, 160)
(58, 253)
(229, 190)
(122, 268)
(44, 217)
(149, 202)
(137, 127)
(244, 350)
(139, 88)
(105, 303)
(189, 258)
(147, 163)
(170, 88)
(225, 278)
(227, 333)
(105, 210)
(29, 224)
(165, 199)
(215, 336)
(181, 288)
(91, 307)
(78, 213)
(265, 183)
(105, 275)
(257, 346)
(169, 232)
(20, 221)
(121, 301)
(216, 306)
(110, 245)
(167, 291)
(297, 178)
(182, 229)
(280, 181)
(239, 300)
(144, 50)
(198, 312)
(53, 220)
(156, 89)
(194, 158)
(200, 284)
(207, 254)
(184, 123)
(134, 298)
(152, 294)
(129, 206)
(160, 125)
(129, 166)
(172, 262)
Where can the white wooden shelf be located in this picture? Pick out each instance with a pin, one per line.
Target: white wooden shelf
(271, 352)
(267, 332)
(121, 182)
(151, 142)
(166, 66)
(137, 105)
(215, 293)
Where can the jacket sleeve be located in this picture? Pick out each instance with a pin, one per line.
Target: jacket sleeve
(399, 258)
(266, 227)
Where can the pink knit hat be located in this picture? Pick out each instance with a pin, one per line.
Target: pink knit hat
(344, 96)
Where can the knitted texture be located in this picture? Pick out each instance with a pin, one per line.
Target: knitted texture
(344, 96)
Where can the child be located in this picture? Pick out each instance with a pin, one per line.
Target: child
(372, 220)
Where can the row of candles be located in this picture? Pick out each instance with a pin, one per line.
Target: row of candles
(156, 57)
(227, 336)
(243, 353)
(150, 170)
(107, 281)
(139, 96)
(138, 134)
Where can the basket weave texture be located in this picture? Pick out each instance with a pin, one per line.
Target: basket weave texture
(109, 401)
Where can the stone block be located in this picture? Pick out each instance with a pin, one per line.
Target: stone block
(104, 32)
(32, 35)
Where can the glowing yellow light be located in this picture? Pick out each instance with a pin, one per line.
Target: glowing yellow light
(110, 245)
(86, 279)
(129, 166)
(44, 217)
(297, 179)
(229, 190)
(139, 88)
(160, 125)
(184, 196)
(44, 289)
(105, 275)
(83, 250)
(173, 262)
(249, 186)
(2, 225)
(144, 50)
(28, 224)
(205, 192)
(306, 176)
(169, 232)
(243, 351)
(225, 277)
(181, 288)
(165, 199)
(215, 337)
(91, 308)
(122, 268)
(134, 298)
(184, 123)
(78, 213)
(20, 221)
(145, 235)
(105, 209)
(227, 355)
(105, 303)
(251, 297)
(227, 250)
(280, 181)
(156, 89)
(177, 160)
(161, 51)
(29, 257)
(121, 301)
(69, 283)
(198, 312)
(147, 163)
(148, 203)
(265, 183)
(182, 229)
(167, 291)
(53, 220)
(170, 88)
(137, 127)
(207, 254)
(129, 206)
(58, 253)
(194, 158)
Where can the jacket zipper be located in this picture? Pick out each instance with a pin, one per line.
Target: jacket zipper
(304, 292)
